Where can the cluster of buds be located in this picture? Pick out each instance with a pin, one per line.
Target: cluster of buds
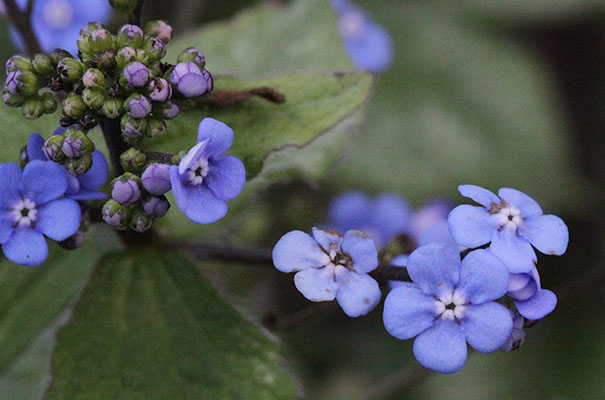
(72, 148)
(138, 196)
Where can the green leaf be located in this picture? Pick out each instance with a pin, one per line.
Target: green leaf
(33, 301)
(314, 104)
(150, 326)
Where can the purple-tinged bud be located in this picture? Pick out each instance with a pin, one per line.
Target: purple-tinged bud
(137, 106)
(159, 29)
(125, 56)
(155, 48)
(116, 215)
(188, 79)
(52, 148)
(126, 189)
(93, 78)
(209, 80)
(79, 166)
(91, 27)
(18, 63)
(140, 221)
(136, 74)
(156, 179)
(169, 110)
(130, 35)
(159, 90)
(194, 55)
(28, 83)
(76, 144)
(155, 128)
(132, 128)
(13, 83)
(102, 40)
(156, 206)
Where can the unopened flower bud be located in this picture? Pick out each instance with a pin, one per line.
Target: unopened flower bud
(125, 56)
(13, 83)
(133, 160)
(73, 106)
(140, 221)
(91, 27)
(112, 107)
(116, 215)
(159, 90)
(130, 35)
(132, 128)
(79, 166)
(49, 104)
(76, 143)
(57, 55)
(42, 65)
(93, 97)
(93, 78)
(33, 109)
(194, 55)
(53, 148)
(12, 100)
(18, 63)
(142, 57)
(159, 29)
(137, 106)
(168, 110)
(156, 179)
(155, 128)
(106, 60)
(155, 206)
(101, 40)
(85, 47)
(209, 80)
(155, 48)
(70, 70)
(75, 241)
(136, 74)
(29, 83)
(188, 79)
(126, 189)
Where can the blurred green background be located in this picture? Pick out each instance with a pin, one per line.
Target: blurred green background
(498, 94)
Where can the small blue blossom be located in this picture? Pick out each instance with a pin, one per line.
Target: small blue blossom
(381, 218)
(189, 80)
(430, 223)
(329, 266)
(512, 222)
(32, 208)
(205, 178)
(449, 304)
(531, 300)
(367, 43)
(57, 23)
(80, 187)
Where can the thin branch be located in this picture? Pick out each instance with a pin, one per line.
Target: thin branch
(165, 158)
(226, 98)
(22, 21)
(115, 144)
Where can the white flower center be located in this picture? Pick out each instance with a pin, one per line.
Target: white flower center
(451, 305)
(197, 171)
(58, 14)
(509, 217)
(24, 212)
(352, 25)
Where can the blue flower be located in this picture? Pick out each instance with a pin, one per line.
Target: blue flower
(57, 23)
(367, 43)
(381, 218)
(512, 222)
(329, 266)
(430, 223)
(80, 187)
(205, 179)
(31, 208)
(531, 300)
(449, 304)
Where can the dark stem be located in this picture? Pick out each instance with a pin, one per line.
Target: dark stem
(226, 98)
(136, 14)
(22, 21)
(165, 158)
(115, 144)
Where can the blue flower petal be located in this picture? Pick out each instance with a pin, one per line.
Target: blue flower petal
(373, 49)
(357, 294)
(218, 134)
(86, 195)
(479, 195)
(516, 252)
(7, 222)
(297, 251)
(192, 156)
(198, 203)
(10, 184)
(97, 174)
(547, 233)
(526, 205)
(390, 216)
(442, 347)
(226, 177)
(435, 267)
(518, 281)
(44, 181)
(349, 211)
(317, 284)
(59, 219)
(537, 307)
(438, 232)
(483, 277)
(408, 311)
(400, 261)
(525, 292)
(487, 326)
(26, 247)
(327, 239)
(34, 147)
(362, 251)
(471, 226)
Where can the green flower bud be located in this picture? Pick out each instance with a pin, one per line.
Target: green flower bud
(116, 215)
(142, 56)
(42, 65)
(91, 27)
(140, 221)
(126, 6)
(93, 78)
(132, 129)
(58, 55)
(85, 47)
(49, 104)
(30, 83)
(73, 106)
(79, 166)
(155, 48)
(130, 35)
(159, 29)
(125, 56)
(112, 107)
(33, 109)
(93, 97)
(53, 148)
(133, 160)
(18, 63)
(155, 128)
(70, 70)
(102, 40)
(194, 55)
(12, 100)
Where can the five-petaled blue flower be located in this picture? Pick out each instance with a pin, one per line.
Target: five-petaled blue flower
(512, 222)
(381, 218)
(31, 208)
(449, 304)
(205, 179)
(367, 43)
(57, 23)
(531, 300)
(80, 187)
(329, 266)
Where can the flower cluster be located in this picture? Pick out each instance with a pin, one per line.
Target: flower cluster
(457, 293)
